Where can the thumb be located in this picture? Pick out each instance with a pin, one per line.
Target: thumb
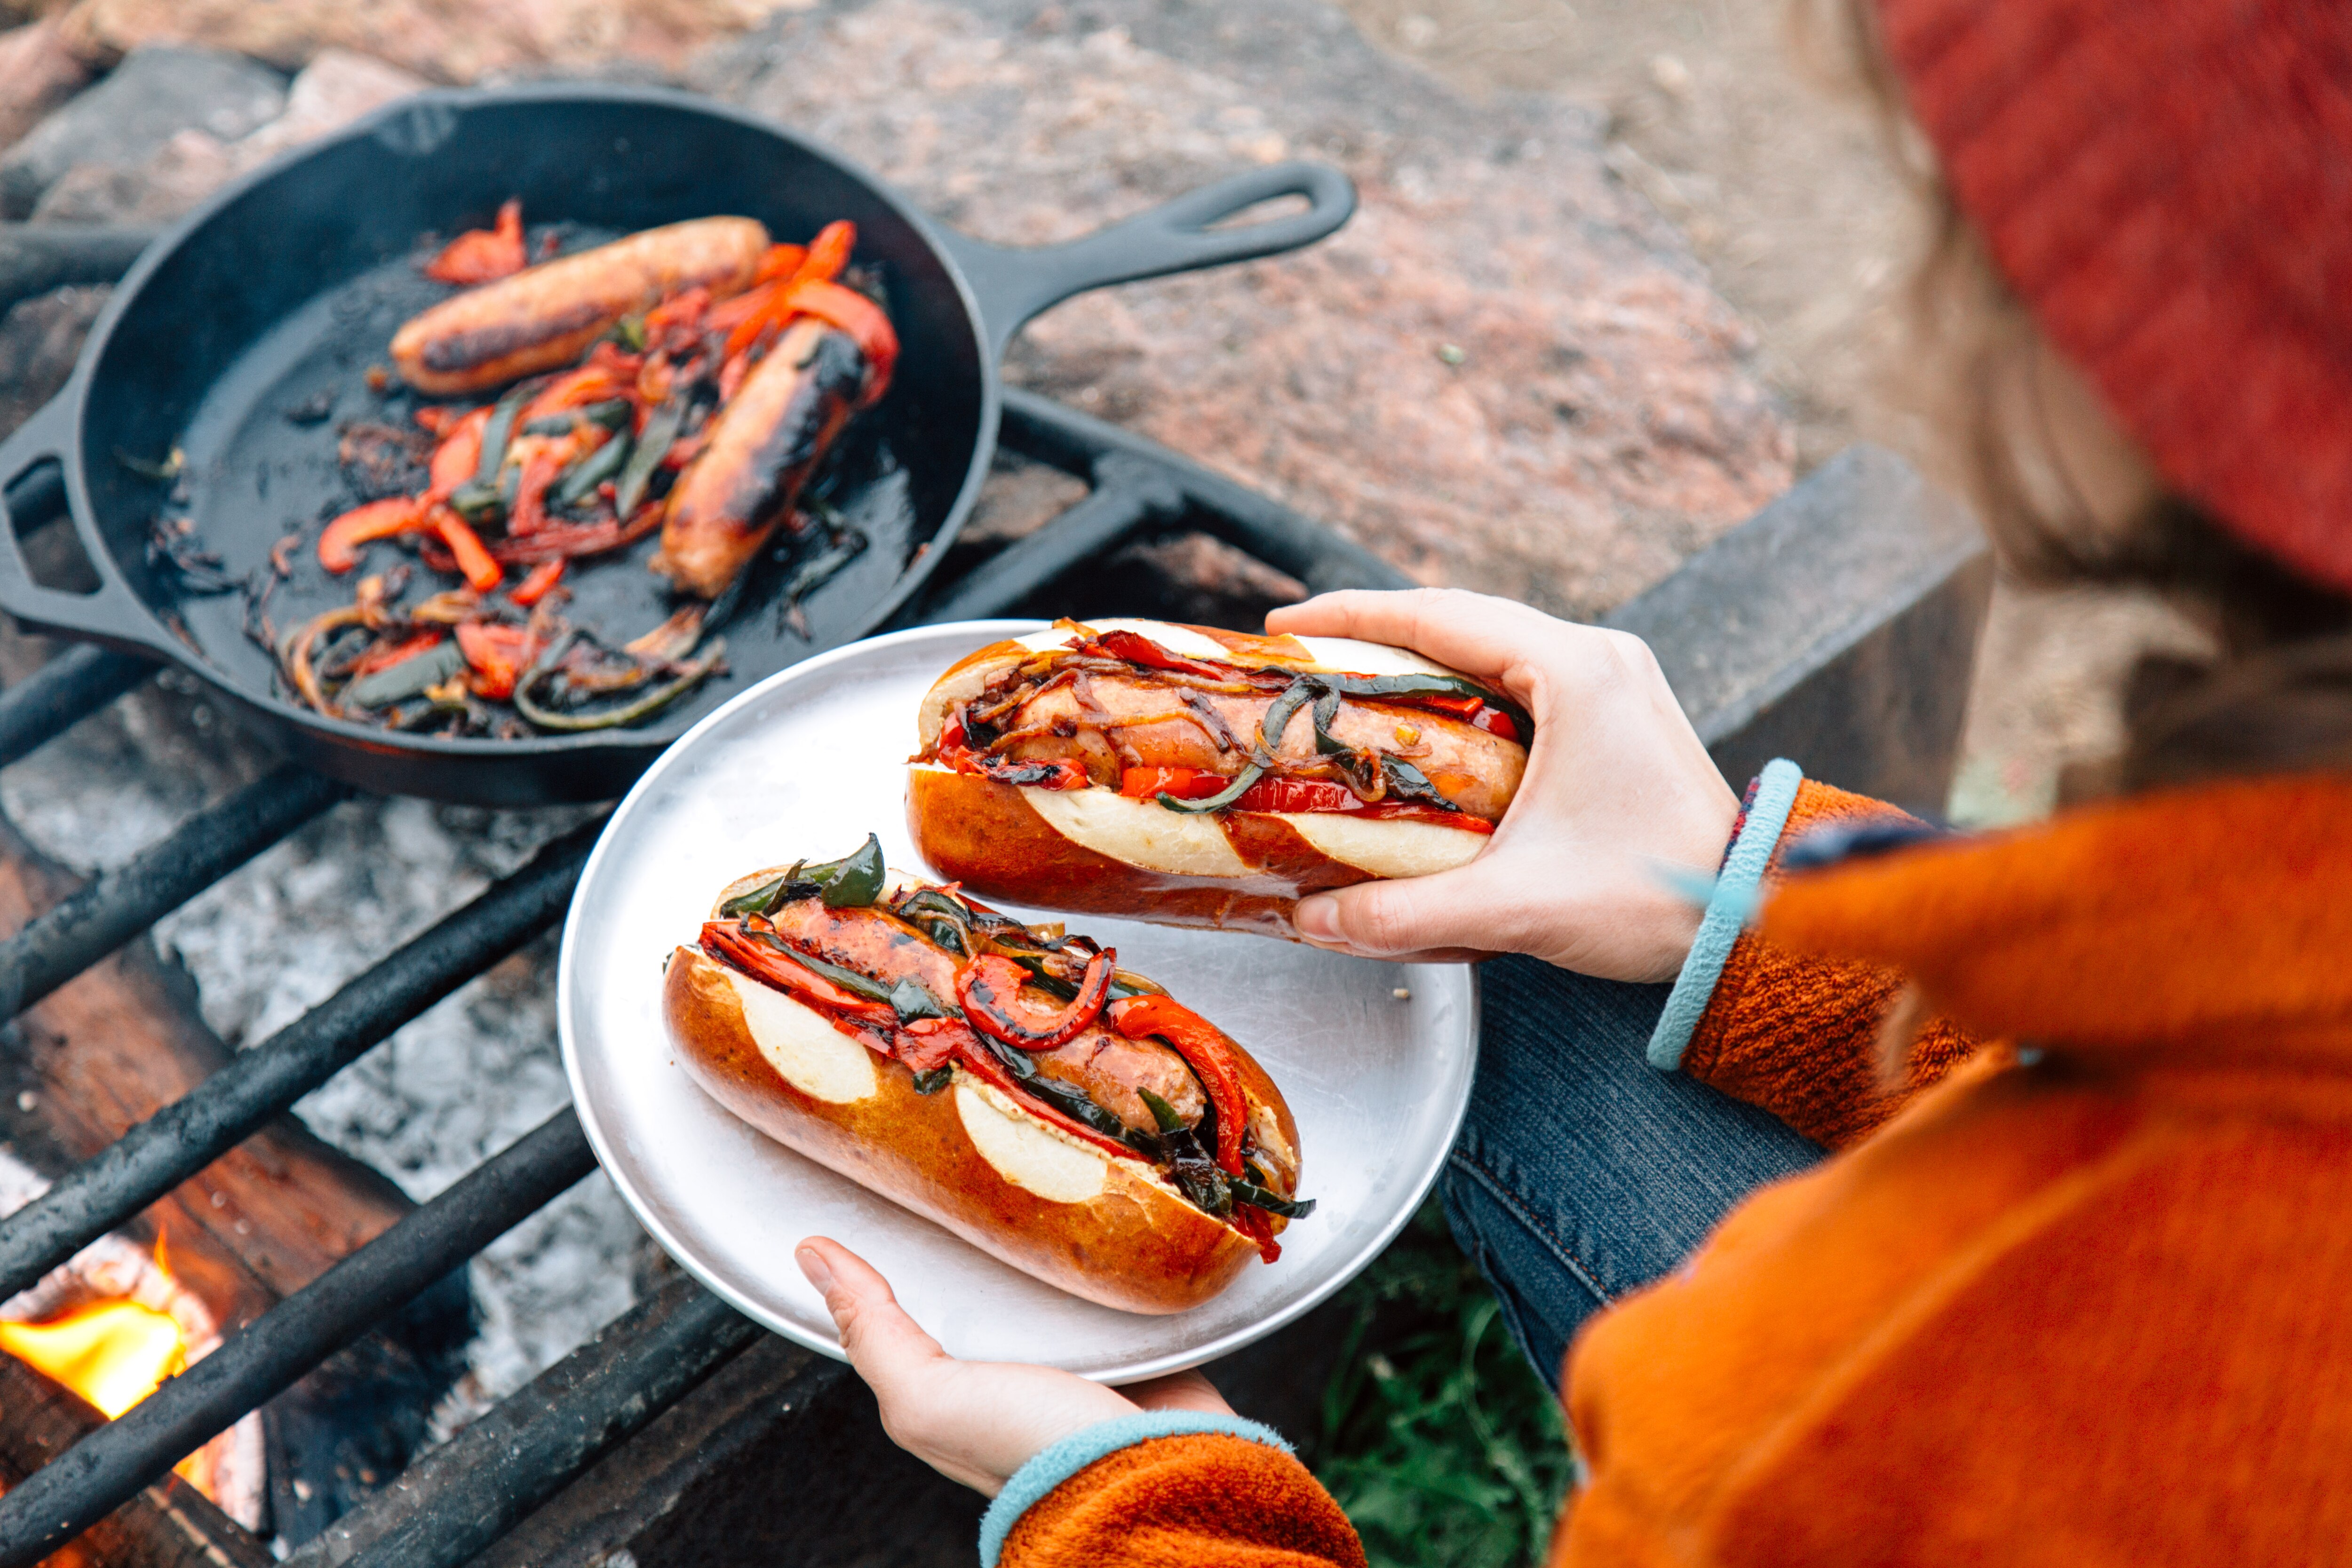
(1455, 913)
(886, 1345)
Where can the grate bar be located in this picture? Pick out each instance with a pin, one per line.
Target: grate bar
(1081, 445)
(456, 1501)
(120, 902)
(61, 694)
(110, 1466)
(189, 1133)
(1128, 495)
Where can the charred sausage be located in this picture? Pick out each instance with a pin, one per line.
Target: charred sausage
(1108, 1068)
(762, 447)
(547, 315)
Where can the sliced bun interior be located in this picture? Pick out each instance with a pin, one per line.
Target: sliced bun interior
(806, 1049)
(1394, 848)
(1139, 832)
(1024, 1150)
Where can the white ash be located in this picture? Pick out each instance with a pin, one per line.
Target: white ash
(460, 1083)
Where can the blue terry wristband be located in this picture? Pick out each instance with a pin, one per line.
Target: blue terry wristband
(1726, 912)
(1051, 1467)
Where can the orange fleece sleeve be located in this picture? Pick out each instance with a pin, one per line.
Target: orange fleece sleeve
(1798, 1036)
(1200, 1501)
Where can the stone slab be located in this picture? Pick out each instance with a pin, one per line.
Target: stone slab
(1837, 628)
(335, 89)
(152, 96)
(447, 41)
(37, 73)
(1504, 373)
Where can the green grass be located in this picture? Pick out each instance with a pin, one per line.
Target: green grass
(1438, 1438)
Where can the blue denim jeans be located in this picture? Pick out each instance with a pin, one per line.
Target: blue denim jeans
(1581, 1172)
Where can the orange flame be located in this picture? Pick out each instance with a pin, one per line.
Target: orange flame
(113, 1353)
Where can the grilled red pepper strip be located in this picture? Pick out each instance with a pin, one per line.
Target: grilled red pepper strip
(498, 654)
(1137, 648)
(781, 261)
(859, 317)
(973, 1058)
(539, 583)
(398, 653)
(1205, 1050)
(1252, 1223)
(483, 574)
(729, 942)
(458, 455)
(987, 986)
(483, 255)
(338, 546)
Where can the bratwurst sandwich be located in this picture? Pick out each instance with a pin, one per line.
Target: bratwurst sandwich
(1195, 776)
(1010, 1082)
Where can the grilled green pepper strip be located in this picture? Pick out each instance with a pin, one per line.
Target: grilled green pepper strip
(609, 414)
(500, 433)
(1408, 783)
(689, 676)
(1250, 1193)
(1327, 708)
(1293, 697)
(661, 429)
(1161, 1111)
(914, 1000)
(933, 1081)
(1195, 1175)
(1219, 801)
(854, 881)
(849, 980)
(410, 676)
(763, 899)
(1430, 685)
(592, 470)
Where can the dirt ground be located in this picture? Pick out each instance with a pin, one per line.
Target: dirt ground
(1735, 125)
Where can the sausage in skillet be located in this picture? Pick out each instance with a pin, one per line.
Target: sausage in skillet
(547, 315)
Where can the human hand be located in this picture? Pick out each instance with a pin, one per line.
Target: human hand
(1617, 783)
(972, 1421)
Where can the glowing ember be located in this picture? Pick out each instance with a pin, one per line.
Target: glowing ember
(113, 1353)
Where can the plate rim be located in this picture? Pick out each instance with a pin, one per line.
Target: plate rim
(829, 1345)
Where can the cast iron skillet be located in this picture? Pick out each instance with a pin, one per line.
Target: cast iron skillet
(288, 285)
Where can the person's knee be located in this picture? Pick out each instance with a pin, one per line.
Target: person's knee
(1541, 1301)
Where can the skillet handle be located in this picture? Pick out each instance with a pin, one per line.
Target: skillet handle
(1013, 286)
(33, 483)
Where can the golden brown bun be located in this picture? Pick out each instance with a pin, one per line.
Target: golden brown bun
(1096, 1225)
(987, 837)
(1092, 851)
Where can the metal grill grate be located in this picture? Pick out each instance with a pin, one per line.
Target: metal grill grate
(459, 1499)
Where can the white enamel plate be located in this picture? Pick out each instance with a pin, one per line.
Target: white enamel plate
(1374, 1058)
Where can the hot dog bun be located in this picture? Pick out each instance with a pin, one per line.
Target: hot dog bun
(979, 1160)
(1094, 850)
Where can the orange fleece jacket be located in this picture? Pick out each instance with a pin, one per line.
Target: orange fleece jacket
(2077, 1303)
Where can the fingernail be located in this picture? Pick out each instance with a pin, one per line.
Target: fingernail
(812, 1264)
(1318, 919)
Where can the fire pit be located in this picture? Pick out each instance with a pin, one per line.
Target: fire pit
(661, 1351)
